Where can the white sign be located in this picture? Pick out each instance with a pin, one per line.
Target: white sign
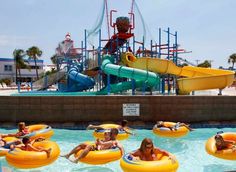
(131, 109)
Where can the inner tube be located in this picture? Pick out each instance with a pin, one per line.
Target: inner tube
(166, 132)
(163, 165)
(30, 159)
(227, 154)
(39, 130)
(100, 156)
(122, 135)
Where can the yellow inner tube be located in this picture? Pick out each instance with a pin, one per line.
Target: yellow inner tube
(100, 156)
(162, 165)
(227, 154)
(39, 130)
(31, 159)
(166, 132)
(122, 135)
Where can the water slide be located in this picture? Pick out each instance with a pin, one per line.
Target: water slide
(196, 78)
(140, 76)
(48, 80)
(77, 81)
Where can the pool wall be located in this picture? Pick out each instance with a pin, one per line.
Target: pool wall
(85, 109)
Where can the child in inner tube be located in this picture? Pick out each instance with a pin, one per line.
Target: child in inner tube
(22, 131)
(28, 146)
(175, 127)
(222, 144)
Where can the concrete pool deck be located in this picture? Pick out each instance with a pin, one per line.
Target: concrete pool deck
(229, 91)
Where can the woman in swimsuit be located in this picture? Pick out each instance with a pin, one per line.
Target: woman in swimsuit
(147, 152)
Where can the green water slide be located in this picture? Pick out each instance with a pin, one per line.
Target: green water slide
(140, 76)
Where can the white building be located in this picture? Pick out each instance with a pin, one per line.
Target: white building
(49, 67)
(8, 70)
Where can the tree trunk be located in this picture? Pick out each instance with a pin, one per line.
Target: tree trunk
(19, 75)
(16, 75)
(36, 67)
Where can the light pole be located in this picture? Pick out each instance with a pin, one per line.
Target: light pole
(197, 61)
(211, 61)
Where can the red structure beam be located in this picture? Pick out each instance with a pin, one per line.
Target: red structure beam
(178, 50)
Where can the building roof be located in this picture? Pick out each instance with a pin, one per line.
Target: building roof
(11, 59)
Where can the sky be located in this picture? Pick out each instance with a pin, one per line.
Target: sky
(205, 27)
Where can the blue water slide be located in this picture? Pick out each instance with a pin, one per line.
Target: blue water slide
(77, 81)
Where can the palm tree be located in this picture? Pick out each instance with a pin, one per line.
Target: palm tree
(54, 59)
(18, 55)
(232, 59)
(34, 53)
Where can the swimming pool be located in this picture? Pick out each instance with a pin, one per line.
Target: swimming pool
(189, 150)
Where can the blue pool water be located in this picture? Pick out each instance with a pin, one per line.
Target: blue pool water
(189, 150)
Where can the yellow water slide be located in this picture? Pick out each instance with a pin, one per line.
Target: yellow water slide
(194, 78)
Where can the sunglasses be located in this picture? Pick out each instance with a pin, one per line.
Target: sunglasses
(149, 146)
(220, 132)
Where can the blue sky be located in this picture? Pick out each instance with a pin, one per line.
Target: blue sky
(205, 27)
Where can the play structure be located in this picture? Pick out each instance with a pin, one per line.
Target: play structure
(121, 63)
